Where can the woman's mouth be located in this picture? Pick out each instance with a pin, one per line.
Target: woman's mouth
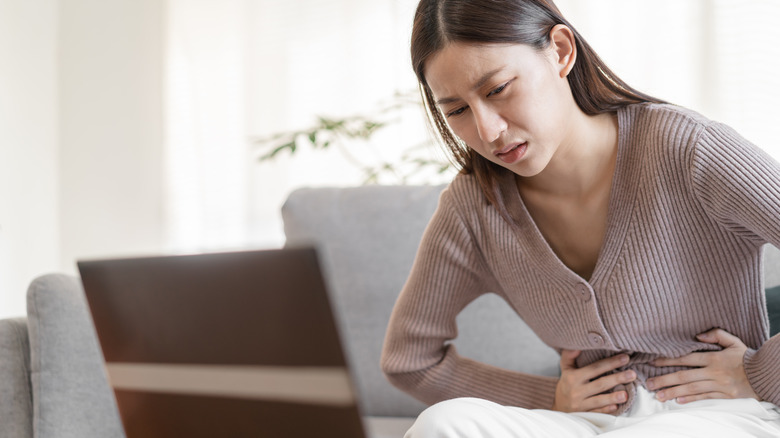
(512, 154)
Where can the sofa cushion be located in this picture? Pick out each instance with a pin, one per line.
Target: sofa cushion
(771, 266)
(387, 427)
(773, 307)
(15, 392)
(772, 282)
(368, 238)
(71, 394)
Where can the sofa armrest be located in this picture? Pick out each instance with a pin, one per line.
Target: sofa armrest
(15, 391)
(71, 395)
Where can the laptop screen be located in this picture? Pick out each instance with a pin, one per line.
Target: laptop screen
(228, 344)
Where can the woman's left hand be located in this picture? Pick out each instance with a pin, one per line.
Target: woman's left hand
(718, 374)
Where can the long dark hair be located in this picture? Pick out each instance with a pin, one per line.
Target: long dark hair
(439, 22)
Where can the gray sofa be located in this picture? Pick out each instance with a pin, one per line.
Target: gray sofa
(52, 382)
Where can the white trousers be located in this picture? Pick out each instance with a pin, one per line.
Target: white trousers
(648, 417)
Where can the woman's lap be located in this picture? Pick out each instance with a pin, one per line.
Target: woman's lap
(469, 417)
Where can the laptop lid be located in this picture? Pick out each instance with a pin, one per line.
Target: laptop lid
(229, 344)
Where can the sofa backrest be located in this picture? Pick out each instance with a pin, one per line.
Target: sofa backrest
(368, 238)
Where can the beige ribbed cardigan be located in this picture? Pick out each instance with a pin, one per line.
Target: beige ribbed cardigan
(692, 204)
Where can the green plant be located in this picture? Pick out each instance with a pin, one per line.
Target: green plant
(354, 131)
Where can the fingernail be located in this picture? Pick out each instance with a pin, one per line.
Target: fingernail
(624, 359)
(650, 385)
(622, 397)
(630, 375)
(660, 396)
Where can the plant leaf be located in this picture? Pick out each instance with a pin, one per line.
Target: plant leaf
(291, 146)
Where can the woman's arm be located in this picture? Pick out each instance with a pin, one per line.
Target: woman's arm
(448, 273)
(739, 186)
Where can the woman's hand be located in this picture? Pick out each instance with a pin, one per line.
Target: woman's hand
(718, 374)
(582, 390)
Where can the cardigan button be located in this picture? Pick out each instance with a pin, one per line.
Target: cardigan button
(582, 291)
(596, 339)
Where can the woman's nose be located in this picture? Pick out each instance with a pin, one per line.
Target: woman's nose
(490, 125)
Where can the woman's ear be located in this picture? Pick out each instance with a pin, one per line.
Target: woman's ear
(564, 48)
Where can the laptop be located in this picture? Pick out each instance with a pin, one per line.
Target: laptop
(240, 344)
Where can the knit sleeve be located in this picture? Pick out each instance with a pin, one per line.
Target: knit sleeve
(739, 185)
(418, 357)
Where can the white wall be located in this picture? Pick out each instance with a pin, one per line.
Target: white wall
(28, 148)
(111, 72)
(81, 136)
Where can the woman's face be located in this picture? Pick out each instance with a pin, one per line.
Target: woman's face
(508, 102)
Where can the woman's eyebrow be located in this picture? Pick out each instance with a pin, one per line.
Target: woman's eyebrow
(486, 77)
(482, 81)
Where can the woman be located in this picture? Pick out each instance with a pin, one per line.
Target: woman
(626, 232)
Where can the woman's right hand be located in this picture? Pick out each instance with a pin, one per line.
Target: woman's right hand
(582, 390)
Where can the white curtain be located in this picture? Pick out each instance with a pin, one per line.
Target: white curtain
(206, 158)
(243, 69)
(718, 57)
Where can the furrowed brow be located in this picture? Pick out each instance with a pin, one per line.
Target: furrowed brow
(486, 77)
(481, 82)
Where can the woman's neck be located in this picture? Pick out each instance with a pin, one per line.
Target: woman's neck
(583, 163)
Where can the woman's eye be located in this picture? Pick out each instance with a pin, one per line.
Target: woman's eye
(456, 111)
(497, 90)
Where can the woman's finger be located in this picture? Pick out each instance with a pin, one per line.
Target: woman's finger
(606, 409)
(714, 336)
(678, 378)
(610, 381)
(690, 390)
(603, 366)
(569, 359)
(720, 337)
(603, 401)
